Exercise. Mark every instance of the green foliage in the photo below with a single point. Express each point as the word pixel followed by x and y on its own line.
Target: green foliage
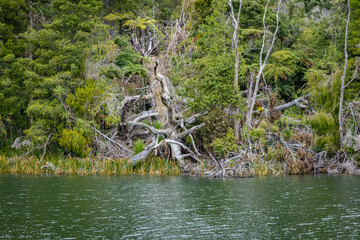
pixel 48 49
pixel 138 146
pixel 325 127
pixel 257 133
pixel 157 125
pixel 217 125
pixel 75 141
pixel 324 89
pixel 203 9
pixel 209 81
pixel 280 71
pixel 13 18
pixel 212 85
pixel 287 134
pixel 252 13
pixel 322 123
pixel 354 38
pixel 118 16
pixel 283 65
pixel 224 145
pixel 136 69
pixel 141 23
pixel 129 60
pixel 86 101
pixel 46 64
pixel 73 18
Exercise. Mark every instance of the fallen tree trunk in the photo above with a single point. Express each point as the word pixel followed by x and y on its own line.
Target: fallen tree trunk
pixel 142 155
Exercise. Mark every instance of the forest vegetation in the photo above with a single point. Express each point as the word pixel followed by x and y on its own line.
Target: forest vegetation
pixel 219 87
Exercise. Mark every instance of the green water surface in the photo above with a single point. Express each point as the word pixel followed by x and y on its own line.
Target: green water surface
pixel 157 207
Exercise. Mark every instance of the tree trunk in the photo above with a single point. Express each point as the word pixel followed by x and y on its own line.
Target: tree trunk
pixel 343 77
pixel 166 112
pixel 237 60
pixel 251 104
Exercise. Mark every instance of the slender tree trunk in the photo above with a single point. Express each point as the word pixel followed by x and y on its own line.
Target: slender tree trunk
pixel 252 101
pixel 343 77
pixel 237 60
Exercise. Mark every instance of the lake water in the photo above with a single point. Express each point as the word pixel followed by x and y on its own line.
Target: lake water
pixel 154 207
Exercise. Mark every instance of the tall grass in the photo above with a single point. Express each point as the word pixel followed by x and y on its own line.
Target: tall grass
pixel 86 166
pixel 266 168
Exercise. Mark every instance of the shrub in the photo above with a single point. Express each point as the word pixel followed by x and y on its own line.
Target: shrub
pixel 326 131
pixel 223 145
pixel 75 141
pixel 217 124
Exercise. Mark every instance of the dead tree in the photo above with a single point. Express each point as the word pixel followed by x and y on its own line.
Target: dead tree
pixel 166 111
pixel 343 77
pixel 178 31
pixel 235 23
pixel 143 36
pixel 253 93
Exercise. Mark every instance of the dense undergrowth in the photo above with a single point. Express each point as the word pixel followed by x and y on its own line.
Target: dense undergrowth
pixel 74 74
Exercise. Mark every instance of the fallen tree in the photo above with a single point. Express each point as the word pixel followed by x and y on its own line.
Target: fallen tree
pixel 169 115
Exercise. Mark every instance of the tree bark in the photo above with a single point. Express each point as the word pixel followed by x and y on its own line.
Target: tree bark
pixel 237 60
pixel 160 92
pixel 343 77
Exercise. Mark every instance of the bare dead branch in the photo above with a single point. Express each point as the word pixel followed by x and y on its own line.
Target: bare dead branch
pixel 295 102
pixel 45 145
pixel 111 140
pixel 192 119
pixel 142 155
pixel 152 129
pixel 190 131
pixel 179 144
pixel 144 115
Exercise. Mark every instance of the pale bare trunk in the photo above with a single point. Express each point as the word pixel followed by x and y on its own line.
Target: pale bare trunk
pixel 343 77
pixel 262 64
pixel 237 60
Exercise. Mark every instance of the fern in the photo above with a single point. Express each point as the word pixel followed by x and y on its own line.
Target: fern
pixel 138 146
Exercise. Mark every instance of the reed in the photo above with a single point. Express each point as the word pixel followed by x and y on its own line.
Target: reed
pixel 261 168
pixel 86 166
pixel 266 168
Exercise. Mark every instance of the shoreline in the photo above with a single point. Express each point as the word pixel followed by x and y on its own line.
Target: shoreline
pixel 86 166
pixel 152 166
